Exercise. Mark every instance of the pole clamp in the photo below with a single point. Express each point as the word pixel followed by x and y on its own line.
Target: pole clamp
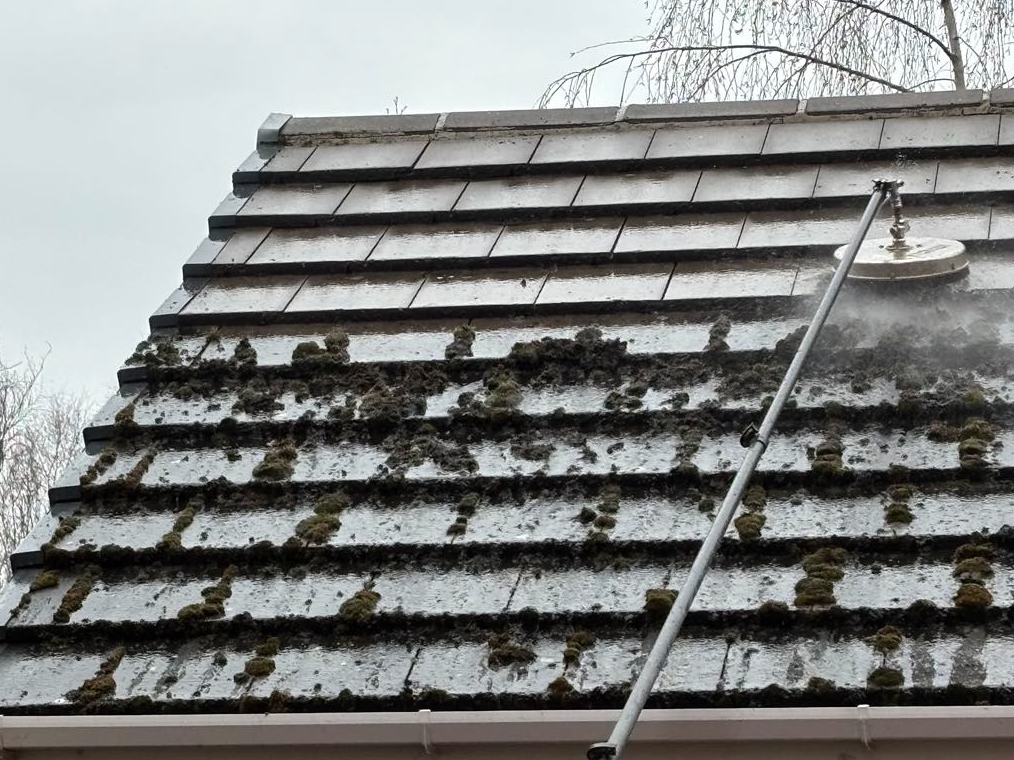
pixel 748 436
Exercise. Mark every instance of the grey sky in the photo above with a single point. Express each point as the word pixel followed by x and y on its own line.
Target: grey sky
pixel 122 122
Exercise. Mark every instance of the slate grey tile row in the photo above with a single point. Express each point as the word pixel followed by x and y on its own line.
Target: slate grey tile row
pixel 503 153
pixel 643 191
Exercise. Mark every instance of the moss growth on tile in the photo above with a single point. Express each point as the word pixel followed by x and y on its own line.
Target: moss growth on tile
pixel 173 540
pixel 45 579
pixel 102 684
pixel 504 651
pixel 560 686
pixel 214 596
pixel 749 525
pixel 410 449
pixel 887 639
pixel 604 522
pixel 576 644
pixel 755 498
pixel 103 462
pixel 609 499
pixel 885 678
pixel 718 333
pixel 75 596
pixel 900 492
pixel 977 427
pixel 503 395
pixel 278 462
pixel 259 667
pixel 384 404
pixel 244 355
pixel 658 601
pixel 977 547
pixel 819 685
pixel 133 478
pixel 461 345
pixel 458 527
pixel 973 595
pixel 268 647
pixel 360 606
pixel 827 460
pixel 467 504
pixel 823 568
pixel 67 525
pixel 528 446
pixel 587 515
pixel 973 569
pixel 812 592
pixel 324 521
pixel 335 350
pixel 155 352
pixel 898 513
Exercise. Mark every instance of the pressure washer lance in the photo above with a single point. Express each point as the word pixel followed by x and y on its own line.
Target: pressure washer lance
pixel 756 440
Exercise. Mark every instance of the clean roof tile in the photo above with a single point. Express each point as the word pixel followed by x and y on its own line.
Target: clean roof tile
pixel 975 175
pixel 969 222
pixel 288 159
pixel 571 236
pixel 364 156
pixel 675 186
pixel 842 180
pixel 693 142
pixel 776 229
pixel 681 232
pixel 537 117
pixel 731 279
pixel 1006 130
pixel 518 193
pixel 241 245
pixel 491 287
pixel 238 295
pixel 317 244
pixel 430 241
pixel 402 196
pixel 824 136
pixel 592 146
pixel 284 200
pixel 1002 222
pixel 166 313
pixel 756 183
pixel 940 132
pixel 467 152
pixel 602 284
pixel 378 290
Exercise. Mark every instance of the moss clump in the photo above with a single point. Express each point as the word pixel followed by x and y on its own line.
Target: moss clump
pixel 898 513
pixel 277 463
pixel 308 349
pixel 887 639
pixel 819 685
pixel 609 499
pixel 973 595
pixel 214 598
pixel 900 492
pixel 972 447
pixel 576 644
pixel 102 684
pixel 155 352
pixel 123 422
pixel 259 667
pixel 360 606
pixel 427 444
pixel 756 498
pixel 45 579
pixel 258 397
pixel 658 601
pixel 973 569
pixel 458 527
pixel 977 547
pixel 335 350
pixel 772 611
pixel 504 651
pixel 461 345
pixel 973 399
pixel 174 538
pixel 977 427
pixel 718 333
pixel 826 562
pixel 503 395
pixel 886 678
pixel 133 478
pixel 812 592
pixel 382 403
pixel 587 515
pixel 468 503
pixel 827 460
pixel 604 522
pixel 560 686
pixel 749 525
pixel 75 596
pixel 324 521
pixel 268 647
pixel 244 355
pixel 66 526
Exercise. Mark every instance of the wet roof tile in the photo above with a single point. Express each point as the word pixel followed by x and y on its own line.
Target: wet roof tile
pixel 975 175
pixel 675 186
pixel 731 279
pixel 824 136
pixel 945 131
pixel 857 178
pixel 364 156
pixel 323 293
pixel 232 295
pixel 603 284
pixel 241 245
pixel 492 287
pixel 283 200
pixel 470 152
pixel 317 244
pixel 756 182
pixel 519 193
pixel 288 159
pixel 592 146
pixel 1006 130
pixel 403 196
pixel 565 237
pixel 426 241
pixel 689 141
pixel 681 232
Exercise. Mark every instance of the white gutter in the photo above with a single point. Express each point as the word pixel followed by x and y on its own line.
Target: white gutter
pixel 430 731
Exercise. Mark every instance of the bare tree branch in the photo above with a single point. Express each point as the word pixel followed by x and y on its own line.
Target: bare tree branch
pixel 899 19
pixel 952 34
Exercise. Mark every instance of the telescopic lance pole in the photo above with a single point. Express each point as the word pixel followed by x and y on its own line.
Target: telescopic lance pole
pixel 757 443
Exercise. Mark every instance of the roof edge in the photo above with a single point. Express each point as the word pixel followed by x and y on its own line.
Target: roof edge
pixel 430 730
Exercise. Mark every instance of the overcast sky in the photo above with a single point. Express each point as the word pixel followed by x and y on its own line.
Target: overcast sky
pixel 122 121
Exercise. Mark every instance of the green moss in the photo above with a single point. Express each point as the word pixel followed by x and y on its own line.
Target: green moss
pixel 973 595
pixel 974 548
pixel 75 596
pixel 887 639
pixel 718 333
pixel 974 399
pixel 360 606
pixel 503 394
pixel 886 678
pixel 587 515
pixel 214 598
pixel 900 492
pixel 604 522
pixel 317 529
pixel 244 354
pixel 461 345
pixel 468 503
pixel 972 447
pixel 658 601
pixel 258 397
pixel 826 555
pixel 812 591
pixel 609 498
pixel 559 686
pixel 504 651
pixel 458 527
pixel 308 349
pixel 45 579
pixel 899 513
pixel 756 497
pixel 772 610
pixel 133 478
pixel 332 504
pixel 819 685
pixel 577 643
pixel 268 647
pixel 173 540
pixel 259 667
pixel 973 569
pixel 977 427
pixel 102 684
pixel 277 463
pixel 749 525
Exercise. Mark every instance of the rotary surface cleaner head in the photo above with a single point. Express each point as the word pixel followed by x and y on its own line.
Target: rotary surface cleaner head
pixel 906 259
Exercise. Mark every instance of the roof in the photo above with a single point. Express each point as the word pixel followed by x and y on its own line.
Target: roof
pixel 445 402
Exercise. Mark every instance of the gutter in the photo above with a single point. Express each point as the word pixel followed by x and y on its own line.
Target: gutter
pixel 431 731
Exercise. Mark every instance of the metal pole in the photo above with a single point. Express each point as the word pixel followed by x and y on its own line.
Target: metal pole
pixel 613 747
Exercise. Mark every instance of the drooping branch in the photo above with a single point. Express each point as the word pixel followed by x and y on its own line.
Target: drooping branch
pixel 957 58
pixel 901 20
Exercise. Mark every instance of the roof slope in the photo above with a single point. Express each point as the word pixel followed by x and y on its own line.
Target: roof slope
pixel 445 402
